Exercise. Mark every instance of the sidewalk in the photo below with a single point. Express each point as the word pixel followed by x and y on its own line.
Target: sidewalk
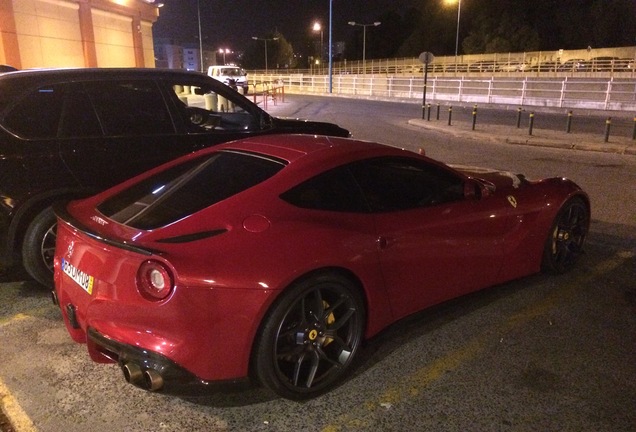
pixel 540 137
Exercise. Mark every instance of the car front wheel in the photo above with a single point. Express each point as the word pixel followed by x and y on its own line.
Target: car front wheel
pixel 565 241
pixel 310 337
pixel 38 247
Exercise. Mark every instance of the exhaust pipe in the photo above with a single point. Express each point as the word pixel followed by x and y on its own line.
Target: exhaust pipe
pixel 132 373
pixel 148 379
pixel 153 381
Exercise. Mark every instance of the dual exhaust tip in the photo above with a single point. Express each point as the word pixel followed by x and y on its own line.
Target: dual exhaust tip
pixel 147 379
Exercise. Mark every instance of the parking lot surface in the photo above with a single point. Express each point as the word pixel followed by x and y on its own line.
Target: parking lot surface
pixel 541 353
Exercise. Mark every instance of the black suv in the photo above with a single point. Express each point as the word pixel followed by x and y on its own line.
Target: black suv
pixel 69 133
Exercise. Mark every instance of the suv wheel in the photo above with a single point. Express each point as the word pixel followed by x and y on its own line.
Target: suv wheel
pixel 38 247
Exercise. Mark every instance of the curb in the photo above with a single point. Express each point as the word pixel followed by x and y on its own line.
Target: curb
pixel 573 142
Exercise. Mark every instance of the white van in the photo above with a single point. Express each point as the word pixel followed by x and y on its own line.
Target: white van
pixel 233 76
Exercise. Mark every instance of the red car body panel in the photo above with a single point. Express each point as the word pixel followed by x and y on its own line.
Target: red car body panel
pixel 224 285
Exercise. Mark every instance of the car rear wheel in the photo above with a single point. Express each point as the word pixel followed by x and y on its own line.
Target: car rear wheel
pixel 310 337
pixel 564 245
pixel 38 247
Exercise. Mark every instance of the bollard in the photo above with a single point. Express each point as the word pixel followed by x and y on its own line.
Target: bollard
pixel 568 126
pixel 634 132
pixel 211 101
pixel 608 124
pixel 518 117
pixel 531 123
pixel 474 116
pixel 437 118
pixel 450 114
pixel 429 113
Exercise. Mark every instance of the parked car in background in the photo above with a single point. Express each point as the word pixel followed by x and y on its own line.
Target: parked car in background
pixel 70 133
pixel 274 257
pixel 232 76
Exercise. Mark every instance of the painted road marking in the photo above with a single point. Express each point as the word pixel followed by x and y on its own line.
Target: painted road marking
pixel 20 421
pixel 416 382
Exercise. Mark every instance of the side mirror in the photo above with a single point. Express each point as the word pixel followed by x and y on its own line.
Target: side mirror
pixel 474 189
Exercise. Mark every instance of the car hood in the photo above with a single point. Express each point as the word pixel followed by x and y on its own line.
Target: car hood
pixel 287 125
pixel 498 178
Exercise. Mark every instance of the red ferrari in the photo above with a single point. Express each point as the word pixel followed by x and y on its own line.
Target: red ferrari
pixel 274 257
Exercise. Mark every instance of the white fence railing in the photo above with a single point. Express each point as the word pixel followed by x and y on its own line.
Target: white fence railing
pixel 616 94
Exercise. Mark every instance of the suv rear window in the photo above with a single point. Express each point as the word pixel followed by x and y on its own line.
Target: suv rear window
pixel 187 188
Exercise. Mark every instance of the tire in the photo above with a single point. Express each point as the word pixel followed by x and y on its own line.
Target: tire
pixel 38 247
pixel 564 245
pixel 310 337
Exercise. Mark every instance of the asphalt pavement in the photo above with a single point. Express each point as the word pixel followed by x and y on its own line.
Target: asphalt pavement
pixel 548 375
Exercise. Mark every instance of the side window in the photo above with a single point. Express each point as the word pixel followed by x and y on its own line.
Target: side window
pixel 134 107
pixel 37 114
pixel 392 184
pixel 334 190
pixel 78 116
pixel 207 108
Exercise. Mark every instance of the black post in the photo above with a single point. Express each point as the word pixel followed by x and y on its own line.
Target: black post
pixel 450 114
pixel 474 116
pixel 518 117
pixel 531 123
pixel 424 96
pixel 428 117
pixel 437 118
pixel 634 132
pixel 568 126
pixel 608 124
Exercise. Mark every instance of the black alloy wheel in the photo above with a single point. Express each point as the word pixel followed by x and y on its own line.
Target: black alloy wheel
pixel 310 337
pixel 38 247
pixel 564 245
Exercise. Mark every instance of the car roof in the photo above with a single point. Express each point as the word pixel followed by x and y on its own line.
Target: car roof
pixel 294 147
pixel 51 75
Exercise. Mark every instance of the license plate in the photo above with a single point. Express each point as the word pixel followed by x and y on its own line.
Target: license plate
pixel 83 279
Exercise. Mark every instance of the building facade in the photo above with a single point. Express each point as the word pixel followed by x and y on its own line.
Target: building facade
pixel 77 33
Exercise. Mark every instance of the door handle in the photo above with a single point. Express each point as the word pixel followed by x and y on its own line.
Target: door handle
pixel 382 242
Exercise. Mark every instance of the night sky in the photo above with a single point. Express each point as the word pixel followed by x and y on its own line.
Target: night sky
pixel 231 24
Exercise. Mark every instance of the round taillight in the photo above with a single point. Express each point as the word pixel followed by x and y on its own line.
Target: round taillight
pixel 154 280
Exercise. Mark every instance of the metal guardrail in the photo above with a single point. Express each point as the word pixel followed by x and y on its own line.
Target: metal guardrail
pixel 266 91
pixel 614 94
pixel 591 63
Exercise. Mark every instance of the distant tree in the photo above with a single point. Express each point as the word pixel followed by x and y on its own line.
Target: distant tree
pixel 614 23
pixel 280 53
pixel 432 28
pixel 503 33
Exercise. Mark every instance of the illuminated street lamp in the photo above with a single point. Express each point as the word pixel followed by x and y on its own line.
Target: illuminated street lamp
pixel 265 40
pixel 364 40
pixel 318 28
pixel 225 51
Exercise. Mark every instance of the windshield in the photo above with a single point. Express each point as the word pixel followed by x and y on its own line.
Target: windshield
pixel 233 72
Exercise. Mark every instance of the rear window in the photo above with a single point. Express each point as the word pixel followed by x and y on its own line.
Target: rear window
pixel 187 188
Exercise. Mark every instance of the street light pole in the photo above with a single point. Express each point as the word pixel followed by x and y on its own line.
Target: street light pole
pixel 364 41
pixel 459 11
pixel 200 36
pixel 330 46
pixel 318 28
pixel 265 40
